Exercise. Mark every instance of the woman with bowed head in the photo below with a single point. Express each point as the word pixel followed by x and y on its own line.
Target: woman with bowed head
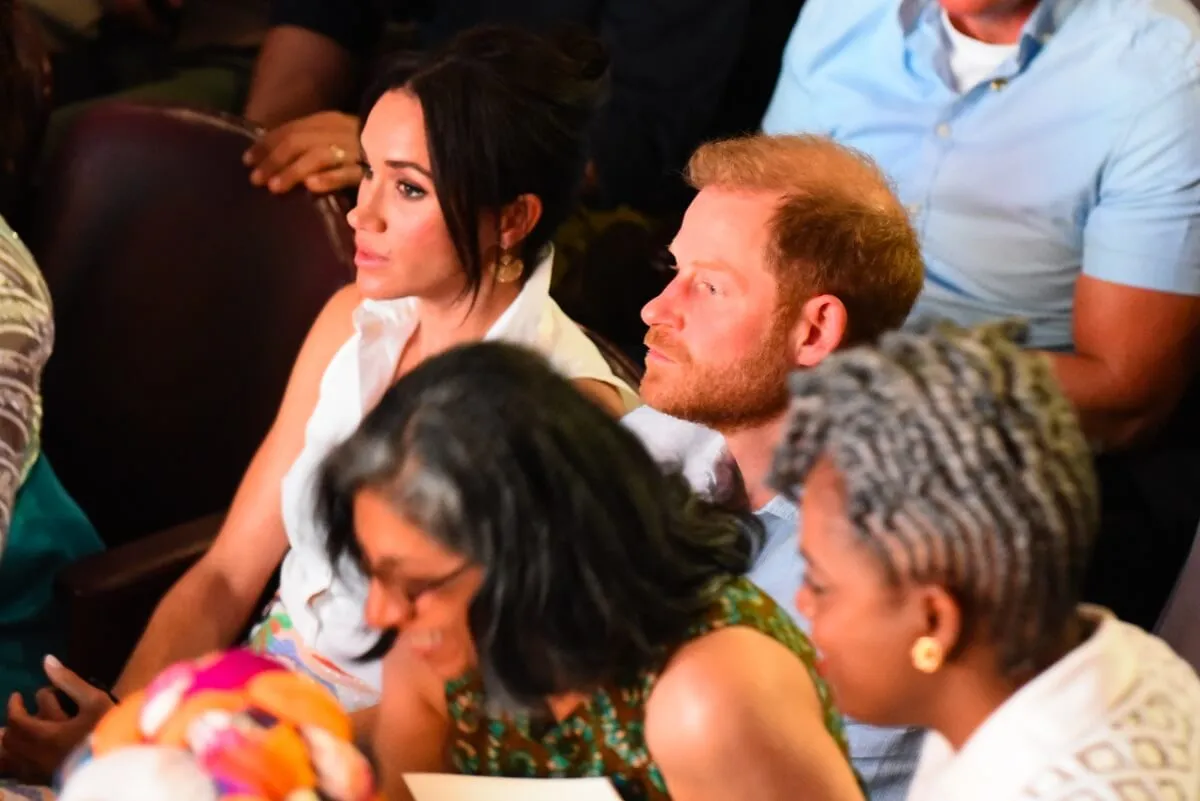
pixel 554 605
pixel 949 509
pixel 473 155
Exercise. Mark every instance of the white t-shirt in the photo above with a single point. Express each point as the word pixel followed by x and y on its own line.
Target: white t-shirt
pixel 971 61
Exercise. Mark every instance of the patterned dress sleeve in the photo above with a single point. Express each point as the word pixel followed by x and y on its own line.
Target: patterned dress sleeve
pixel 26 340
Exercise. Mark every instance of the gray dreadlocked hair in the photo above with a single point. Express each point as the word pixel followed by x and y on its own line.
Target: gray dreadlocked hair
pixel 964 465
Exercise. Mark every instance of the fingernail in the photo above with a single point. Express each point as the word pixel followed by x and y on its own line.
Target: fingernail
pixel 274 184
pixel 247 157
pixel 52 662
pixel 256 177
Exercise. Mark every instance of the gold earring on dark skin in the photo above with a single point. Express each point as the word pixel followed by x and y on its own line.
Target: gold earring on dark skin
pixel 509 268
pixel 927 655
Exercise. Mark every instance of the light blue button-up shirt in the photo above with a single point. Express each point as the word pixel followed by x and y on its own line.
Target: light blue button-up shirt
pixel 1080 155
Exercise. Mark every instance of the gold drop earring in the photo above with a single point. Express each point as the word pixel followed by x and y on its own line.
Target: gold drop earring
pixel 509 268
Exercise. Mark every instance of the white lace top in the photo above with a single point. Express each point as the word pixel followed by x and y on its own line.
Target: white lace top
pixel 326 609
pixel 1114 720
pixel 26 339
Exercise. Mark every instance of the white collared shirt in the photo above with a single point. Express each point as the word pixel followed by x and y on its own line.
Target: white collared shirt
pixel 1117 718
pixel 326 606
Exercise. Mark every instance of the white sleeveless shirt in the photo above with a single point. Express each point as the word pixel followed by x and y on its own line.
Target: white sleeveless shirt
pixel 326 607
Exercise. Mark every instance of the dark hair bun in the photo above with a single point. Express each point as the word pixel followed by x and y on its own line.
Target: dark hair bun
pixel 508 112
pixel 586 64
pixel 565 68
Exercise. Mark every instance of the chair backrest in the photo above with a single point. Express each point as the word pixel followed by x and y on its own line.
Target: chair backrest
pixel 182 295
pixel 1180 622
pixel 622 366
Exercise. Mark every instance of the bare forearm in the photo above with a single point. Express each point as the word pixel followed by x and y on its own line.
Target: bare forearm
pixel 1112 416
pixel 197 616
pixel 364 727
pixel 298 73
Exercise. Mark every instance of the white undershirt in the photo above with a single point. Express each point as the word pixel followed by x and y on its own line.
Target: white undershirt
pixel 973 61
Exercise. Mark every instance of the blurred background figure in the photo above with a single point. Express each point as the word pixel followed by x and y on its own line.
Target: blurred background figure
pixel 194 53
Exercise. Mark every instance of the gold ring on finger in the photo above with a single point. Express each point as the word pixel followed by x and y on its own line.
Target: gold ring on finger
pixel 339 155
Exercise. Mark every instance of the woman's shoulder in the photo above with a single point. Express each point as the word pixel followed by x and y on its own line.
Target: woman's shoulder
pixel 335 323
pixel 746 650
pixel 339 311
pixel 729 681
pixel 20 277
pixel 572 352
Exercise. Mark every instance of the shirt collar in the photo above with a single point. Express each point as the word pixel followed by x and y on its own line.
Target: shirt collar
pixel 781 508
pixel 520 322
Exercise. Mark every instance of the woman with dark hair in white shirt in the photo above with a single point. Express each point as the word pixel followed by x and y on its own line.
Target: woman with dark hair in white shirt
pixel 473 155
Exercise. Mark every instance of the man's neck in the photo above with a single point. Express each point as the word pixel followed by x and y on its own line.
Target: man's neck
pixel 996 27
pixel 753 449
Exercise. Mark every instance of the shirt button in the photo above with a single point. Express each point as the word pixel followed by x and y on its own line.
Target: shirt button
pixel 999 83
pixel 942 130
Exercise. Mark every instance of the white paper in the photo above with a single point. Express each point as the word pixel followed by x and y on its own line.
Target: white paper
pixel 453 787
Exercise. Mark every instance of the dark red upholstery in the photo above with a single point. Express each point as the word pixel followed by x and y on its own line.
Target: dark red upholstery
pixel 182 295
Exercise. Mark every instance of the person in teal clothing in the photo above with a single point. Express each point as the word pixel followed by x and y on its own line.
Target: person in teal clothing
pixel 554 605
pixel 41 527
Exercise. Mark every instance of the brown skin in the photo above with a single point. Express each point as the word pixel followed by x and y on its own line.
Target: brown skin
pixel 399 220
pixel 298 73
pixel 1127 374
pixel 714 723
pixel 722 338
pixel 298 77
pixel 319 151
pixel 992 21
pixel 865 628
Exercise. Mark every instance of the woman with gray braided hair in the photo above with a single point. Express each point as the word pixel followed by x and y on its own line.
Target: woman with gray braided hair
pixel 949 508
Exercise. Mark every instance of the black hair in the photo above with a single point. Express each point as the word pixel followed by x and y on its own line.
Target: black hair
pixel 596 561
pixel 17 86
pixel 507 113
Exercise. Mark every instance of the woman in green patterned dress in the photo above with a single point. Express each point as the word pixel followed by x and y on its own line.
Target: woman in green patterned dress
pixel 553 605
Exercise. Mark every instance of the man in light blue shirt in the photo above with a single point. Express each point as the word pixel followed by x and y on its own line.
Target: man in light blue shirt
pixel 793 248
pixel 1047 153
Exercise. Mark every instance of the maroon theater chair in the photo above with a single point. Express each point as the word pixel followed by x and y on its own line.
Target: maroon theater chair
pixel 182 295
